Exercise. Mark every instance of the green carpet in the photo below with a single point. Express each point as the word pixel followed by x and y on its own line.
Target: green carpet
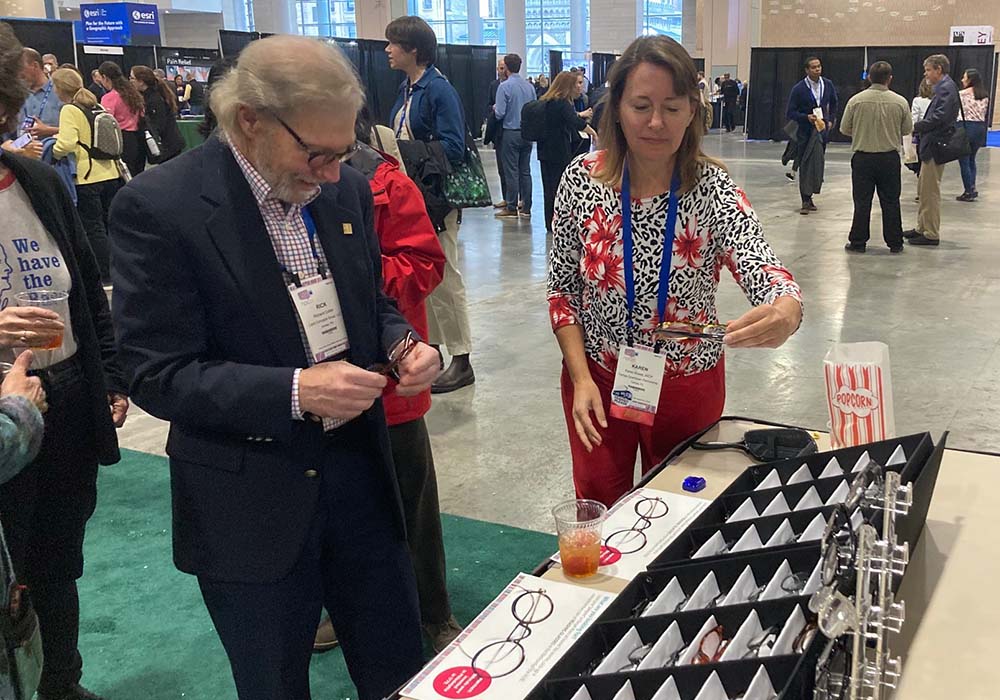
pixel 145 634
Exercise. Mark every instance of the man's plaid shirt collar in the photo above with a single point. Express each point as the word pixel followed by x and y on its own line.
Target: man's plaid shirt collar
pixel 258 185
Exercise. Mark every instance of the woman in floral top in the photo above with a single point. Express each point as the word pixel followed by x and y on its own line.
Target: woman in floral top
pixel 652 125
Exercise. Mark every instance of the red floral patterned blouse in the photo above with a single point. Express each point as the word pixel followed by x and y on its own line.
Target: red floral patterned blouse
pixel 716 227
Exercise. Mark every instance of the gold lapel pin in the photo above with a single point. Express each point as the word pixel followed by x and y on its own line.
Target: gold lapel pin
pixel 348 230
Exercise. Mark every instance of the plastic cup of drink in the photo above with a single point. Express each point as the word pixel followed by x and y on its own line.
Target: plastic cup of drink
pixel 51 299
pixel 579 523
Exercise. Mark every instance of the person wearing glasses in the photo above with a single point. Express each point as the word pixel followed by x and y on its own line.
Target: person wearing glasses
pixel 616 272
pixel 254 320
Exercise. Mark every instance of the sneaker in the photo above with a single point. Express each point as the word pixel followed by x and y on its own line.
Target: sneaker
pixel 804 210
pixel 812 207
pixel 506 214
pixel 965 197
pixel 75 692
pixel 923 240
pixel 500 205
pixel 442 634
pixel 855 247
pixel 912 233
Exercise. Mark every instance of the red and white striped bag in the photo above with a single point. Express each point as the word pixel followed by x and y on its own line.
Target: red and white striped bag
pixel 859 393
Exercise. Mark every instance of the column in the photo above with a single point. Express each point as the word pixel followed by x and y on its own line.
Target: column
pixel 618 23
pixel 475 22
pixel 274 16
pixel 372 16
pixel 517 41
pixel 578 44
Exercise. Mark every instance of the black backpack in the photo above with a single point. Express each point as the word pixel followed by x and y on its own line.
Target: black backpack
pixel 533 121
pixel 105 136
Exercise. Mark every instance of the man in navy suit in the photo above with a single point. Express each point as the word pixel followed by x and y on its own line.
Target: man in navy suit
pixel 812 93
pixel 249 317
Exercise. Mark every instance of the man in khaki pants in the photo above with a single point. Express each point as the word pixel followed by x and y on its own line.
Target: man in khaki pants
pixel 936 125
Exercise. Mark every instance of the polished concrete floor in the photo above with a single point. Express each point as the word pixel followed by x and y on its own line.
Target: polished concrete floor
pixel 500 446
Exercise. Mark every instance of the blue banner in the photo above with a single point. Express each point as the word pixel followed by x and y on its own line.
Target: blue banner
pixel 120 24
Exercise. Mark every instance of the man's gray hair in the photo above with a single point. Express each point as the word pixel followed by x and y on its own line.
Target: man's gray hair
pixel 285 74
pixel 938 60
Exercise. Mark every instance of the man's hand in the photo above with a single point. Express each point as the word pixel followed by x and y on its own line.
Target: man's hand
pixel 119 408
pixel 29 326
pixel 41 130
pixel 338 390
pixel 765 326
pixel 32 150
pixel 18 383
pixel 587 113
pixel 811 118
pixel 418 370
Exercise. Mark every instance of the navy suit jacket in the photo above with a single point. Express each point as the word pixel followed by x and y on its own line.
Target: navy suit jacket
pixel 801 103
pixel 208 337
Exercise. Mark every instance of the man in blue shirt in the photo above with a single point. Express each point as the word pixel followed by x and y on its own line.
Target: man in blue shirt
pixel 42 104
pixel 515 152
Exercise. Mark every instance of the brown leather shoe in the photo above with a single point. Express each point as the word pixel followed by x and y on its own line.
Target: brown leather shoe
pixel 442 634
pixel 326 637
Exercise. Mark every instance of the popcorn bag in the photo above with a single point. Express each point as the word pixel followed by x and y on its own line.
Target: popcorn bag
pixel 859 393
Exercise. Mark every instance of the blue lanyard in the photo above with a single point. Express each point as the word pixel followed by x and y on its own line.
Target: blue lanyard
pixel 406 105
pixel 48 93
pixel 292 277
pixel 663 292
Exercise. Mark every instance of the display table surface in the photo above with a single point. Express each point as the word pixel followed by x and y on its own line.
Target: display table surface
pixel 952 609
pixel 189 132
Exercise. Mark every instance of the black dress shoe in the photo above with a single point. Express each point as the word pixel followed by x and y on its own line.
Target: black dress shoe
pixel 458 375
pixel 923 240
pixel 895 249
pixel 912 233
pixel 855 247
pixel 76 692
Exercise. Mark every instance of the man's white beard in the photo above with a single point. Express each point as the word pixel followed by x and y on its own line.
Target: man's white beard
pixel 283 185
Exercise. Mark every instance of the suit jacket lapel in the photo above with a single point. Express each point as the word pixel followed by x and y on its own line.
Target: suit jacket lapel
pixel 237 229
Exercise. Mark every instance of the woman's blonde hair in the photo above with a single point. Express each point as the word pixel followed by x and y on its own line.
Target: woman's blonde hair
pixel 562 87
pixel 666 53
pixel 69 83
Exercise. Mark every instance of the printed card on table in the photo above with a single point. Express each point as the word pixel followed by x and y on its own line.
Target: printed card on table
pixel 640 526
pixel 507 650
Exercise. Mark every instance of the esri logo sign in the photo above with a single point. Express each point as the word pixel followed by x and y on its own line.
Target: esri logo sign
pixel 139 16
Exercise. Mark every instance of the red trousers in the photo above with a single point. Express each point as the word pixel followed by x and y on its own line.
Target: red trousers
pixel 687 406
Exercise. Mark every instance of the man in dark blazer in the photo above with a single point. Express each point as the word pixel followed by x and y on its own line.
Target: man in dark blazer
pixel 494 129
pixel 936 126
pixel 284 495
pixel 809 94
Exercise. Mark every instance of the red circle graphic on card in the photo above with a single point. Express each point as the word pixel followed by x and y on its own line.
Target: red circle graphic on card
pixel 609 555
pixel 461 682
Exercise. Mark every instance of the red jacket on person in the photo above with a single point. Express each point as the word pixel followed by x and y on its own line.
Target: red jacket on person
pixel 412 263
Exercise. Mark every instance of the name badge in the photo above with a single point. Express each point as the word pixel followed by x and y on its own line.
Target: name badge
pixel 318 306
pixel 638 380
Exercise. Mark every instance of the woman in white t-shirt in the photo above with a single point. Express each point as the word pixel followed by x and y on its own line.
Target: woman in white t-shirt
pixel 917 110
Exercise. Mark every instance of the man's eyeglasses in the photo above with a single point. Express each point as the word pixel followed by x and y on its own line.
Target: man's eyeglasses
pixel 318 158
pixel 399 353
